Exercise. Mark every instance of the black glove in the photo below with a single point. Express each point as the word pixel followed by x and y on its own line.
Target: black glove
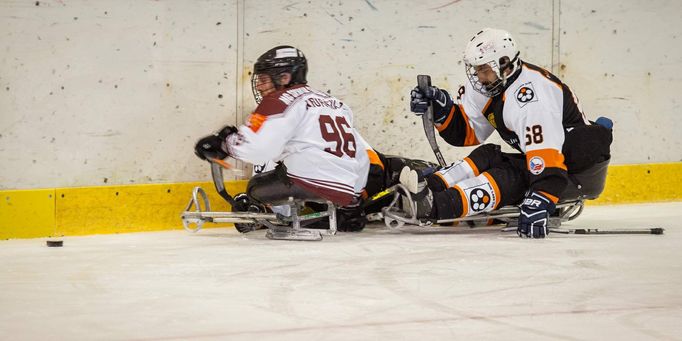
pixel 419 102
pixel 227 131
pixel 242 203
pixel 534 217
pixel 211 145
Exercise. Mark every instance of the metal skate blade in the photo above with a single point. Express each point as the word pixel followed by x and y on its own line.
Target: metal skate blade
pixel 291 234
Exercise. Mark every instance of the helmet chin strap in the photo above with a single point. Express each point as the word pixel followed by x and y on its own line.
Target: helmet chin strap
pixel 512 66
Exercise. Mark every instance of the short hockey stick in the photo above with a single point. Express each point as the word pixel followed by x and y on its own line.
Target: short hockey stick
pixel 423 82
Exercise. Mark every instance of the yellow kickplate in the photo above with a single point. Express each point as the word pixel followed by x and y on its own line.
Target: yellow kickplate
pixel 120 209
pixel 27 213
pixel 642 183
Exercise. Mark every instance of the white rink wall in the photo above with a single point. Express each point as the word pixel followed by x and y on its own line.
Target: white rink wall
pixel 117 92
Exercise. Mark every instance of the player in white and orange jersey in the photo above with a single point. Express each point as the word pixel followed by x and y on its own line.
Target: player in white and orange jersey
pixel 562 154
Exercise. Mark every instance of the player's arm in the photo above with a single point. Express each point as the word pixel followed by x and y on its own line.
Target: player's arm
pixel 465 124
pixel 265 134
pixel 459 123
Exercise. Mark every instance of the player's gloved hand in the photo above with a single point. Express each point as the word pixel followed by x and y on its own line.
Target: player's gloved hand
pixel 211 146
pixel 226 131
pixel 419 102
pixel 244 204
pixel 534 217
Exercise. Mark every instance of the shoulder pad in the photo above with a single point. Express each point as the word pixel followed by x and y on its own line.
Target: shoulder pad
pixel 278 101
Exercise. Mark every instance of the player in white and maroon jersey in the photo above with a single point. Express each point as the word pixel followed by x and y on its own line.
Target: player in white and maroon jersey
pixel 308 133
pixel 563 156
pixel 383 172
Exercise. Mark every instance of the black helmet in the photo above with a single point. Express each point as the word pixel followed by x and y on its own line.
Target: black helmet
pixel 276 61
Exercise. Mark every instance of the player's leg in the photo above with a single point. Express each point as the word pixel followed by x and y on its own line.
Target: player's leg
pixel 494 188
pixel 274 188
pixel 481 159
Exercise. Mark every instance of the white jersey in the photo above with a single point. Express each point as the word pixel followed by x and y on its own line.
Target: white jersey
pixel 310 132
pixel 532 116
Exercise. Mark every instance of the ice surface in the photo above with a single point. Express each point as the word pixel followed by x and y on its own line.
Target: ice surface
pixel 471 284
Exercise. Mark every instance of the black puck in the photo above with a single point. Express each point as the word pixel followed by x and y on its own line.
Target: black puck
pixel 55 243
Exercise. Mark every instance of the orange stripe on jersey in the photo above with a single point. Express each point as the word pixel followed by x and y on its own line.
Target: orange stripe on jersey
pixel 442 178
pixel 537 160
pixel 472 165
pixel 550 197
pixel 374 158
pixel 496 188
pixel 465 202
pixel 256 121
pixel 447 120
pixel 470 137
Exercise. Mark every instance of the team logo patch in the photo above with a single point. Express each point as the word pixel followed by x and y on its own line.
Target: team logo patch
pixel 526 94
pixel 479 199
pixel 491 119
pixel 536 165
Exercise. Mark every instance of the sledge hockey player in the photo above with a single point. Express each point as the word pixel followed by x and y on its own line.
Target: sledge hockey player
pixel 384 172
pixel 563 156
pixel 307 133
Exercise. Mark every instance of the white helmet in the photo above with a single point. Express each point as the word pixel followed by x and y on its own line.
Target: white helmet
pixel 491 46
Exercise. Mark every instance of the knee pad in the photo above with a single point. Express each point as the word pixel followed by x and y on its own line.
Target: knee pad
pixel 454 173
pixel 478 195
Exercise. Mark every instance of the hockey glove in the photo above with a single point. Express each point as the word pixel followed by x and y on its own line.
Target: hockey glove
pixel 227 131
pixel 534 217
pixel 244 204
pixel 211 146
pixel 419 102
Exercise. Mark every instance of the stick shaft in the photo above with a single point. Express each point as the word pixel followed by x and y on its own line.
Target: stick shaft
pixel 424 81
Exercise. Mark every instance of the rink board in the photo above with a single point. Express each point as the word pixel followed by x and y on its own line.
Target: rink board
pixel 101 209
pixel 133 208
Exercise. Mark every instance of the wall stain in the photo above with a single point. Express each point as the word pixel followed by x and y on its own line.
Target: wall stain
pixel 371 5
pixel 536 25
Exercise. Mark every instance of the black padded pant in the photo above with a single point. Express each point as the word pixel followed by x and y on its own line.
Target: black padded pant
pixel 275 188
pixel 587 153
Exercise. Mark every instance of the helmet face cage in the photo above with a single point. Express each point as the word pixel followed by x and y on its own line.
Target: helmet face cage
pixel 496 48
pixel 256 94
pixel 490 90
pixel 271 65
